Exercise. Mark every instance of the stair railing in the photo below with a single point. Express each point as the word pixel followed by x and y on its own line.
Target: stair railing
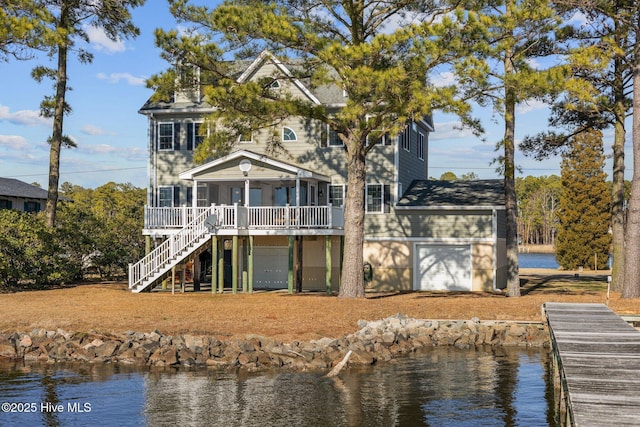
pixel 158 258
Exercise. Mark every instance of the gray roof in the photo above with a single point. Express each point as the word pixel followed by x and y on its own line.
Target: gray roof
pixel 434 194
pixel 10 187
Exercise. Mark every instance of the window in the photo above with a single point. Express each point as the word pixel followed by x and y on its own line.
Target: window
pixel 168 197
pixel 329 137
pixel 378 198
pixel 245 137
pixel 334 139
pixel 374 197
pixel 194 138
pixel 32 206
pixel 5 204
pixel 406 138
pixel 384 140
pixel 336 195
pixel 288 134
pixel 275 84
pixel 168 136
pixel 203 195
pixel 420 145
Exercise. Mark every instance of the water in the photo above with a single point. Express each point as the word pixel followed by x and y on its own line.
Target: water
pixel 535 260
pixel 443 386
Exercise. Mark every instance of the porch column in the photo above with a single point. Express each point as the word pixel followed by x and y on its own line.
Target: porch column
pixel 327 257
pixel 234 265
pixel 299 240
pixel 298 191
pixel 194 196
pixel 220 256
pixel 250 266
pixel 247 192
pixel 147 245
pixel 214 262
pixel 290 275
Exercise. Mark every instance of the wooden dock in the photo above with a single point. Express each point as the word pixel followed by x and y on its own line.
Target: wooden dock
pixel 597 365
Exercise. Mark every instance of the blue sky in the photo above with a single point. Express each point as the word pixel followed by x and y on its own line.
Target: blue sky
pixel 111 136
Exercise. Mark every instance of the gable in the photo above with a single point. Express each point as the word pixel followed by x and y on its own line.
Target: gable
pixel 267 65
pixel 261 167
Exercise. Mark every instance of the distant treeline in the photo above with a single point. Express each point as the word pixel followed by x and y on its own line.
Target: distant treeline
pixel 538 206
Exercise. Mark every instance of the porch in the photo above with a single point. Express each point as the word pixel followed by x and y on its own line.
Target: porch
pixel 244 220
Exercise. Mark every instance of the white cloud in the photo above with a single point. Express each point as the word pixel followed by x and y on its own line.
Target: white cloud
pixel 101 42
pixel 117 77
pixel 578 19
pixel 531 105
pixel 23 117
pixel 449 130
pixel 446 78
pixel 533 63
pixel 98 149
pixel 13 142
pixel 93 130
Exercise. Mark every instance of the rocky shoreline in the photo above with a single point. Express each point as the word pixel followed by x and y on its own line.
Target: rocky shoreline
pixel 375 342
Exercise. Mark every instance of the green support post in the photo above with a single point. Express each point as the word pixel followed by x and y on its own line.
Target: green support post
pixel 214 263
pixel 147 245
pixel 290 276
pixel 234 265
pixel 250 266
pixel 327 255
pixel 221 267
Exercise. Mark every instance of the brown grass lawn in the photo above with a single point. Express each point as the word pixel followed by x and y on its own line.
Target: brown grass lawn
pixel 112 308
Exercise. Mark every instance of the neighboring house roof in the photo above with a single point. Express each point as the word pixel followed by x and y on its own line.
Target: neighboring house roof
pixel 10 187
pixel 431 194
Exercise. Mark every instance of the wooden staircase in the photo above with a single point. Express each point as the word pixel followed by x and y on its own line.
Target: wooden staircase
pixel 172 251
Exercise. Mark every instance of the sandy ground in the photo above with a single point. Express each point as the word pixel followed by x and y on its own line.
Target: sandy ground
pixel 111 307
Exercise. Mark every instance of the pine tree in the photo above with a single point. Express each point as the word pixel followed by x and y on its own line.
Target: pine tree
pixel 583 233
pixel 69 20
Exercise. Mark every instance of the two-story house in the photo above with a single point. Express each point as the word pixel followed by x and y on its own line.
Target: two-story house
pixel 253 220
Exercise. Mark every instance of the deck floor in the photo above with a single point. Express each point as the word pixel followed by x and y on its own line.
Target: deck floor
pixel 600 356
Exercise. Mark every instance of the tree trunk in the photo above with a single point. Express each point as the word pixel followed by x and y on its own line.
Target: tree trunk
pixel 352 280
pixel 58 119
pixel 631 288
pixel 513 276
pixel 617 201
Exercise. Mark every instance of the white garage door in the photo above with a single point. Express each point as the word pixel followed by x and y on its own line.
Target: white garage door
pixel 270 267
pixel 443 267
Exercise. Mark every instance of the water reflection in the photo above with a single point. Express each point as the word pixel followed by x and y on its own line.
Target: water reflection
pixel 443 386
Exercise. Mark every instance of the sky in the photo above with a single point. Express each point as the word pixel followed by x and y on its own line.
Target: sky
pixel 111 136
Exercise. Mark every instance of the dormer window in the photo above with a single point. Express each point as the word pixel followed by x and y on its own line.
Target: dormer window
pixel 245 137
pixel 288 134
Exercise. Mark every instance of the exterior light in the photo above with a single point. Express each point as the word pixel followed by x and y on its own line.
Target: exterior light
pixel 245 166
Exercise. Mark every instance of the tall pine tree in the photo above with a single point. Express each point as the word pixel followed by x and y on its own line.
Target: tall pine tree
pixel 583 234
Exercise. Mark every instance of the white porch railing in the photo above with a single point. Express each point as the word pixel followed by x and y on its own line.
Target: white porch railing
pixel 170 252
pixel 251 217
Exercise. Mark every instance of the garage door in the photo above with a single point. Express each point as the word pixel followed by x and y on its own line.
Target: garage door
pixel 443 267
pixel 270 267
